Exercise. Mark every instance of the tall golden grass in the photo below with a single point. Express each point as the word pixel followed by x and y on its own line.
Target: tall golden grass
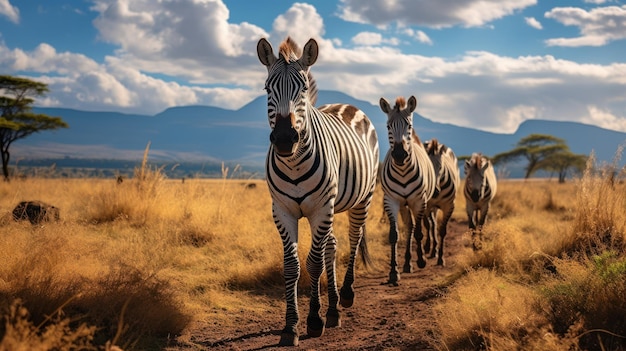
pixel 552 271
pixel 135 264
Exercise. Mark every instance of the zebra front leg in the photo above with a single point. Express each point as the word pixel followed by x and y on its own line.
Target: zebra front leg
pixel 321 231
pixel 472 219
pixel 392 212
pixel 418 212
pixel 333 318
pixel 288 229
pixel 430 224
pixel 407 214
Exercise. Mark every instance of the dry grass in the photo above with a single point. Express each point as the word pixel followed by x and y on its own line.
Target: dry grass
pixel 135 264
pixel 552 271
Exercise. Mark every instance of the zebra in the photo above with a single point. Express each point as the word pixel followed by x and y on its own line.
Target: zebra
pixel 321 161
pixel 408 181
pixel 480 188
pixel 447 183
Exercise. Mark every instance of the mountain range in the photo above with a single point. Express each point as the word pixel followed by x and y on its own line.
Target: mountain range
pixel 207 134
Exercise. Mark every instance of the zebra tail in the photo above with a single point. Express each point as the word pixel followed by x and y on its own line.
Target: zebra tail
pixel 364 252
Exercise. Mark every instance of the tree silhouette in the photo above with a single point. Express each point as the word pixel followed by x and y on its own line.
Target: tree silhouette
pixel 543 152
pixel 16 119
pixel 562 162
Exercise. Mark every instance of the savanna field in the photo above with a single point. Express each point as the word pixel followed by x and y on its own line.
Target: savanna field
pixel 137 265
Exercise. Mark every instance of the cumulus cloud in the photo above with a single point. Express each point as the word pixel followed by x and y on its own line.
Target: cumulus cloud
pixel 301 22
pixel 418 35
pixel 373 39
pixel 597 26
pixel 531 21
pixel 190 39
pixel 10 11
pixel 437 14
pixel 189 52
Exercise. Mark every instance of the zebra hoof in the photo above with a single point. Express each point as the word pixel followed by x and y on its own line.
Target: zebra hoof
pixel 333 319
pixel 288 339
pixel 314 326
pixel 440 262
pixel 421 263
pixel 407 268
pixel 346 297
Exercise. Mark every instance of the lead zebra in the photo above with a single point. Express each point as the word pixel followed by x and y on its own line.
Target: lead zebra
pixel 480 188
pixel 320 162
pixel 447 181
pixel 407 179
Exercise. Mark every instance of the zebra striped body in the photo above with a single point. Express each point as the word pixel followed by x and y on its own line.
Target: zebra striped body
pixel 408 181
pixel 480 188
pixel 320 162
pixel 447 182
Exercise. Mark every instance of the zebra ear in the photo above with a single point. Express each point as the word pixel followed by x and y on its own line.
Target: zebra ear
pixel 309 53
pixel 485 164
pixel 265 53
pixel 467 166
pixel 412 104
pixel 384 105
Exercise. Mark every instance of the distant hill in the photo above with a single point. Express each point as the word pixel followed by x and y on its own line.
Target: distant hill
pixel 211 135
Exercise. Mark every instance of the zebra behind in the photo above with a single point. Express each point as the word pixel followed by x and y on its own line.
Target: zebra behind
pixel 480 188
pixel 408 181
pixel 447 181
pixel 321 161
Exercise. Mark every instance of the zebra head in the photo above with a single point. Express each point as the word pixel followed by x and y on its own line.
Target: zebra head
pixel 475 179
pixel 400 127
pixel 288 96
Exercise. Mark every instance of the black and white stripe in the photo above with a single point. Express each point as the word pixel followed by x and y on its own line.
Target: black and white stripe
pixel 408 181
pixel 321 161
pixel 448 181
pixel 480 188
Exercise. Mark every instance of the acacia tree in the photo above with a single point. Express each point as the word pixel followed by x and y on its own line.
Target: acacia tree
pixel 562 162
pixel 538 149
pixel 17 120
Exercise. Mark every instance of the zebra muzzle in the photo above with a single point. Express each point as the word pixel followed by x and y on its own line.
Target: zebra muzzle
pixel 285 140
pixel 399 154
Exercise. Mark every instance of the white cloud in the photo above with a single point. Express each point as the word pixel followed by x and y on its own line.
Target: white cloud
pixel 437 14
pixel 531 21
pixel 10 11
pixel 190 39
pixel 598 26
pixel 419 36
pixel 301 22
pixel 188 52
pixel 373 39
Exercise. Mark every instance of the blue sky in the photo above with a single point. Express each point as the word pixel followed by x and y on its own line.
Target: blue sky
pixel 486 64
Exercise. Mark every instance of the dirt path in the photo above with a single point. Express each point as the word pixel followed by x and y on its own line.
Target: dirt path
pixel 382 318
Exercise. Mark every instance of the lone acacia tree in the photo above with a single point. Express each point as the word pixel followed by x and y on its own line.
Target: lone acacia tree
pixel 17 120
pixel 543 152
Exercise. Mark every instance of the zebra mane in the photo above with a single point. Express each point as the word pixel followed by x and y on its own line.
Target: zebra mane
pixel 433 146
pixel 290 51
pixel 400 103
pixel 477 160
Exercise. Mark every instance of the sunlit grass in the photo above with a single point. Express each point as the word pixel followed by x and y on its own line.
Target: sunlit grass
pixel 137 263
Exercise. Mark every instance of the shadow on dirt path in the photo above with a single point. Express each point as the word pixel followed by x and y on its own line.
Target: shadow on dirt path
pixel 382 318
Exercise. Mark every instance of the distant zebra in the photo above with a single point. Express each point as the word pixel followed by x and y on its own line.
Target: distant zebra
pixel 447 183
pixel 408 181
pixel 480 188
pixel 320 162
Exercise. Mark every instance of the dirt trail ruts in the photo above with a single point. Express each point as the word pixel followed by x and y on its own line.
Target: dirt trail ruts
pixel 383 317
